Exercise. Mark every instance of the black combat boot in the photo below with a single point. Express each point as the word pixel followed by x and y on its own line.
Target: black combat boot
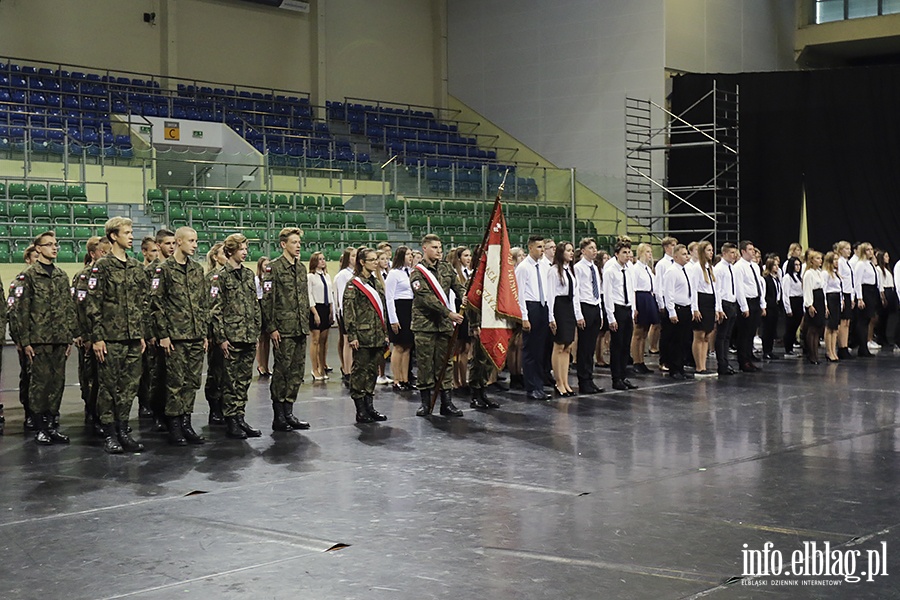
pixel 128 443
pixel 144 412
pixel 362 415
pixel 425 398
pixel 53 431
pixel 477 401
pixel 42 436
pixel 29 423
pixel 488 403
pixel 447 407
pixel 247 429
pixel 176 435
pixel 370 409
pixel 191 436
pixel 279 421
pixel 111 443
pixel 294 422
pixel 233 429
pixel 215 413
pixel 159 423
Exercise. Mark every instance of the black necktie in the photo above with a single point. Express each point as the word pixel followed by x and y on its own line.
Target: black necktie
pixel 594 286
pixel 731 274
pixel 625 287
pixel 324 285
pixel 874 270
pixel 569 277
pixel 709 272
pixel 688 279
pixel 540 283
pixel 756 280
pixel 650 276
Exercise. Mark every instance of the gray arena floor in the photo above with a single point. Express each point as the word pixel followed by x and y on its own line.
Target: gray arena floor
pixel 650 494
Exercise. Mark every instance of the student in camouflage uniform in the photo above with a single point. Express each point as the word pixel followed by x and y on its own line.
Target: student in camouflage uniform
pixel 236 323
pixel 12 305
pixel 87 363
pixel 364 322
pixel 432 324
pixel 116 315
pixel 286 311
pixel 153 369
pixel 46 316
pixel 179 301
pixel 150 252
pixel 215 370
pixel 482 367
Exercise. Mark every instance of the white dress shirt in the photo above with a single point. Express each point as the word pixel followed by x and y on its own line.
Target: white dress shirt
pixel 644 279
pixel 866 273
pixel 813 279
pixel 555 287
pixel 751 281
pixel 396 287
pixel 584 269
pixel 832 283
pixel 340 284
pixel 666 262
pixel 791 288
pixel 897 278
pixel 699 285
pixel 613 288
pixel 887 280
pixel 848 283
pixel 678 288
pixel 527 277
pixel 728 286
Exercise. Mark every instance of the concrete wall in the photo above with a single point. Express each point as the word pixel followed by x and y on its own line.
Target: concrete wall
pixel 387 50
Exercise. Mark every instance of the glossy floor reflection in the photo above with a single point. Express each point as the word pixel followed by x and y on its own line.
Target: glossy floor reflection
pixel 645 494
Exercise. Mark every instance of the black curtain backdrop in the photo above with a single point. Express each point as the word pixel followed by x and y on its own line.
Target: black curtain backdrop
pixel 834 132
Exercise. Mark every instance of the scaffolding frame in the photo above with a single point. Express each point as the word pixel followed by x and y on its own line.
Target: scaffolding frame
pixel 710 204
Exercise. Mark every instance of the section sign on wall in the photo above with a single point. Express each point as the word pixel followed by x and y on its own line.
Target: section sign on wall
pixel 172 131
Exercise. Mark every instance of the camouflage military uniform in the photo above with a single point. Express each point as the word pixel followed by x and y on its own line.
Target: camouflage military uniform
pixel 285 308
pixel 15 292
pixel 363 324
pixel 430 323
pixel 115 310
pixel 235 319
pixel 215 372
pixel 179 300
pixel 152 387
pixel 87 362
pixel 46 321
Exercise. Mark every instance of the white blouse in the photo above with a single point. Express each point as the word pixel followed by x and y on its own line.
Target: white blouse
pixel 396 287
pixel 790 288
pixel 317 289
pixel 813 279
pixel 560 287
pixel 832 283
pixel 340 284
pixel 644 279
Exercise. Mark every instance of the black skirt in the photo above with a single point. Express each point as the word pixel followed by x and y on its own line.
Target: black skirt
pixel 706 304
pixel 404 316
pixel 564 314
pixel 872 299
pixel 847 312
pixel 833 302
pixel 324 311
pixel 817 321
pixel 647 309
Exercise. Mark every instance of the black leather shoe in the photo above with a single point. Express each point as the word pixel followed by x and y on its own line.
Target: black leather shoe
pixel 176 435
pixel 728 371
pixel 813 362
pixel 233 429
pixel 159 425
pixel 55 436
pixel 619 384
pixel 190 435
pixel 641 369
pixel 279 421
pixel 128 443
pixel 537 395
pixel 749 368
pixel 425 399
pixel 476 398
pixel 369 405
pixel 362 416
pixel 28 424
pixel 111 443
pixel 557 393
pixel 291 419
pixel 215 413
pixel 144 412
pixel 448 409
pixel 629 385
pixel 247 429
pixel 770 356
pixel 677 376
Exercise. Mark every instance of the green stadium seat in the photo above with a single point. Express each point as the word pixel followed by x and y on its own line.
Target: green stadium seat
pixel 58 192
pixel 256 251
pixel 154 194
pixel 81 232
pixel 189 198
pixel 309 201
pixel 206 198
pixel 222 197
pixel 17 191
pixel 381 236
pixel 258 217
pixel 19 231
pixel 63 231
pixel 2 190
pixel 99 213
pixel 282 200
pixel 311 236
pixel 76 193
pixel 337 202
pixel 40 210
pixel 237 199
pixel 5 251
pixel 176 213
pixel 4 208
pixel 334 255
pixel 173 195
pixel 66 252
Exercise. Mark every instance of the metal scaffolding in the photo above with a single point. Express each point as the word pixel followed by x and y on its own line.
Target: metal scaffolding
pixel 704 204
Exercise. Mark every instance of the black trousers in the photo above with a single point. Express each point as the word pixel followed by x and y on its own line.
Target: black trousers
pixel 665 333
pixel 620 341
pixel 587 342
pixel 723 333
pixel 770 327
pixel 534 344
pixel 746 330
pixel 864 316
pixel 792 323
pixel 681 334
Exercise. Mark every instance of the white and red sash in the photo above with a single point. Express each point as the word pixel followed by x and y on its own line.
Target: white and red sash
pixel 373 297
pixel 434 285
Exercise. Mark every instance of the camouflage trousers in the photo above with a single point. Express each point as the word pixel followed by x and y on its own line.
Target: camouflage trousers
pixel 48 378
pixel 24 379
pixel 431 351
pixel 365 371
pixel 87 377
pixel 146 384
pixel 119 375
pixel 182 371
pixel 215 374
pixel 238 374
pixel 482 366
pixel 287 373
